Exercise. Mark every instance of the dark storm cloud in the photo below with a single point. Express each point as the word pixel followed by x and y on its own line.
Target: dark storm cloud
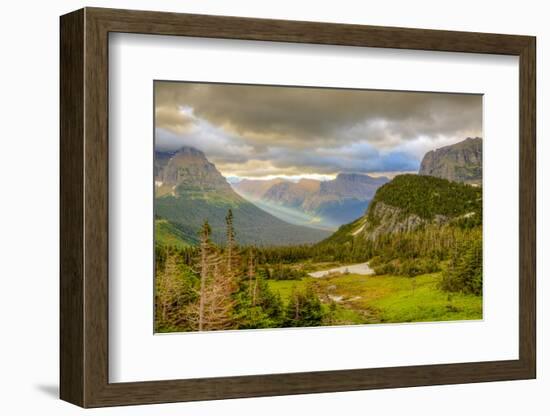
pixel 355 158
pixel 326 130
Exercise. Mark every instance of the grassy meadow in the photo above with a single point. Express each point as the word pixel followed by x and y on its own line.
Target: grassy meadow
pixel 360 299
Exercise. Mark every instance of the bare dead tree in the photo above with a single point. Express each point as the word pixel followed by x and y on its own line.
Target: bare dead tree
pixel 231 248
pixel 215 303
pixel 168 289
pixel 205 243
pixel 252 275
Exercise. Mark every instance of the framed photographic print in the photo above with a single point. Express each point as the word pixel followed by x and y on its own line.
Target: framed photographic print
pixel 257 207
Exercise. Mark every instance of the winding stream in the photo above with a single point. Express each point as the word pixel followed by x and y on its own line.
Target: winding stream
pixel 359 268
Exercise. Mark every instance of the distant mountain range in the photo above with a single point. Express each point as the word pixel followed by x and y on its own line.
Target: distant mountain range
pixel 460 162
pixel 332 203
pixel 255 189
pixel 189 190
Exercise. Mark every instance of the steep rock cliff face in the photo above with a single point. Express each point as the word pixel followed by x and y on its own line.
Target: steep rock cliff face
pixel 188 170
pixel 460 162
pixel 385 219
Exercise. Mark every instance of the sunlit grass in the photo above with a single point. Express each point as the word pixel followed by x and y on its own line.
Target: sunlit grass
pixel 387 299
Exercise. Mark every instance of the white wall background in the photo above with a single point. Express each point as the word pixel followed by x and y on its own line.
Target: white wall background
pixel 29 158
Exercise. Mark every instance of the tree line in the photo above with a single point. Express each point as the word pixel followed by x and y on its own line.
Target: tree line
pixel 214 288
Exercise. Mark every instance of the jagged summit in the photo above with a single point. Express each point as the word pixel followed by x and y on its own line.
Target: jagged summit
pixel 188 169
pixel 459 162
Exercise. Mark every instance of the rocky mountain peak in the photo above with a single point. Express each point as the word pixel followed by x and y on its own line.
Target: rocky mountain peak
pixel 187 168
pixel 459 162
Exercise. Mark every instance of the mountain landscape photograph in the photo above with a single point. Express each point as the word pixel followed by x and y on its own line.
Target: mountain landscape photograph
pixel 280 207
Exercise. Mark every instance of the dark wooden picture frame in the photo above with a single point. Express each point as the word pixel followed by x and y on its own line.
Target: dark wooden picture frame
pixel 84 207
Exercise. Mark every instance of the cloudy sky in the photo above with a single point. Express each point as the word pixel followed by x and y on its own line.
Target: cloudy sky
pixel 264 131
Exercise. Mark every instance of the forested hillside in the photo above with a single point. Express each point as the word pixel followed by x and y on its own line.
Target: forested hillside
pixel 410 202
pixel 428 196
pixel 169 234
pixel 254 225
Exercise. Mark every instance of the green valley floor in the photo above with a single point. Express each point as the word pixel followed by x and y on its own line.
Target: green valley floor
pixel 367 299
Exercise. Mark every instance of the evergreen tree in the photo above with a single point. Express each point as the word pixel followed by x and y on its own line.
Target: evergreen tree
pixel 465 269
pixel 174 289
pixel 256 305
pixel 304 309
